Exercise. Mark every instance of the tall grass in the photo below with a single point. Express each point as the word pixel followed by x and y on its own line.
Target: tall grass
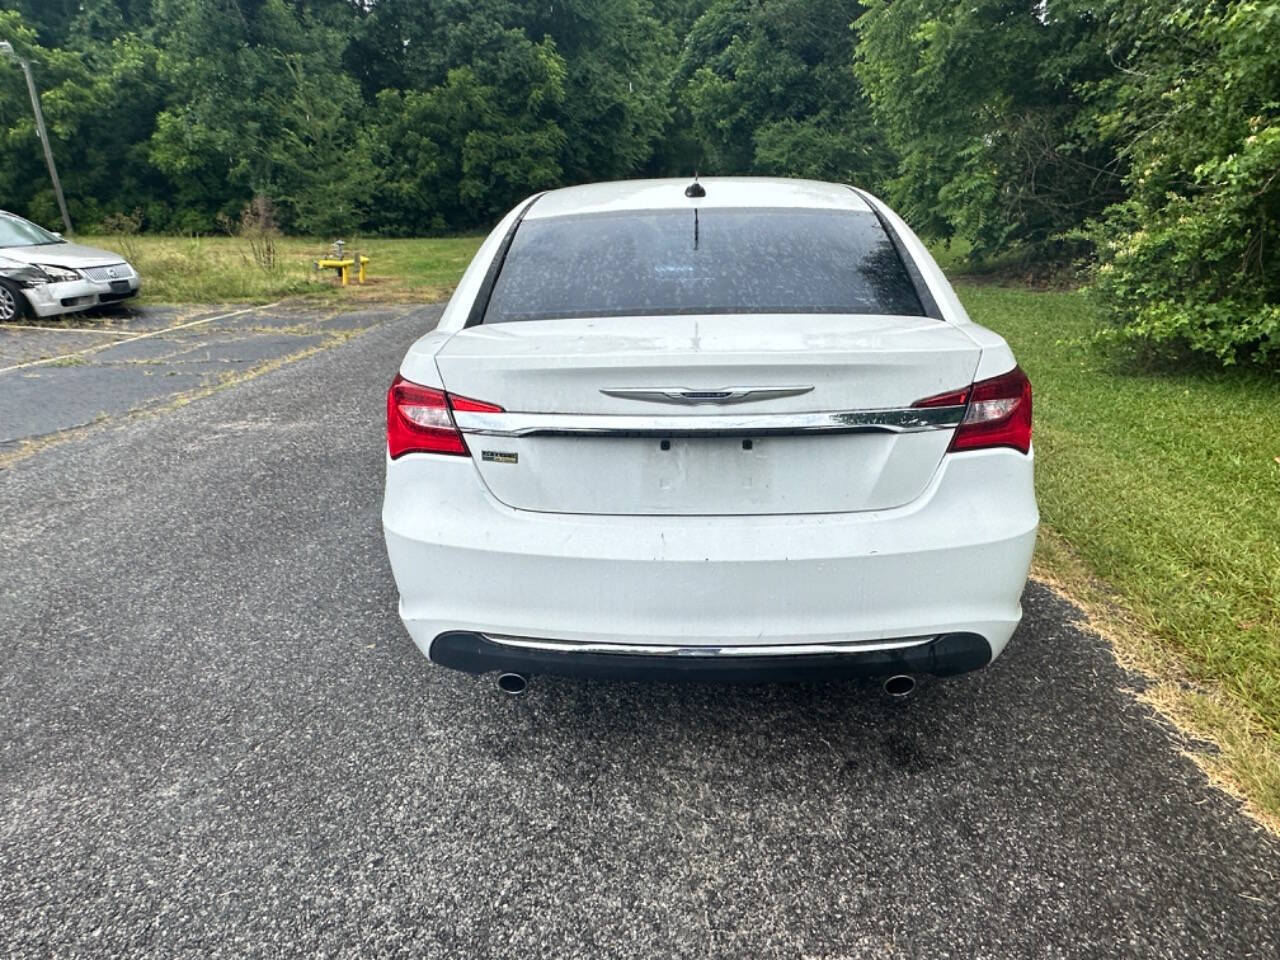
pixel 231 270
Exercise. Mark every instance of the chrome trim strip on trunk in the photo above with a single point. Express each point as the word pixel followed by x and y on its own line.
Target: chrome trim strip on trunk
pixel 895 420
pixel 734 650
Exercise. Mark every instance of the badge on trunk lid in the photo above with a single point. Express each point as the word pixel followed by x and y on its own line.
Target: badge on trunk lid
pixel 722 395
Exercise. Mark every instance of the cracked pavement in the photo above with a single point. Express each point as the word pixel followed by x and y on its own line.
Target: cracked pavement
pixel 68 372
pixel 220 742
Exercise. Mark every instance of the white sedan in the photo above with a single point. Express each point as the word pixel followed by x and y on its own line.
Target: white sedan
pixel 735 429
pixel 44 275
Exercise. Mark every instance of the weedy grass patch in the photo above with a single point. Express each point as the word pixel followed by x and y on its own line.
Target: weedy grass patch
pixel 181 270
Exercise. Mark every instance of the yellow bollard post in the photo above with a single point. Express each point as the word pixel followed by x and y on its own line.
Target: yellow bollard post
pixel 342 266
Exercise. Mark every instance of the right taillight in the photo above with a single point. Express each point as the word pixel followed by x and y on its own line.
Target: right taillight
pixel 998 414
pixel 420 419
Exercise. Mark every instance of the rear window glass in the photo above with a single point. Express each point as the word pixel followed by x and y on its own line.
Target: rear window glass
pixel 715 261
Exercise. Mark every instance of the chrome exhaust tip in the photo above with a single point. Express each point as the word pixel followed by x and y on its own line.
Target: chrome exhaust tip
pixel 512 683
pixel 900 686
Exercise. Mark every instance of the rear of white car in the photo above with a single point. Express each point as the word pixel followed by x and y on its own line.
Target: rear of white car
pixel 745 434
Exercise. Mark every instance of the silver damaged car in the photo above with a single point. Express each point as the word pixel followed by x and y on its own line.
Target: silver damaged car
pixel 42 274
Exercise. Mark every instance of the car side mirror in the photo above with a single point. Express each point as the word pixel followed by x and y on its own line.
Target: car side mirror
pixel 58 235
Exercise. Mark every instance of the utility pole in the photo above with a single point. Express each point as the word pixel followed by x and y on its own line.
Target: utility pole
pixel 6 48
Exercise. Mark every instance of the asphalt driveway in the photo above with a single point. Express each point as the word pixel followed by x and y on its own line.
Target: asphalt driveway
pixel 218 741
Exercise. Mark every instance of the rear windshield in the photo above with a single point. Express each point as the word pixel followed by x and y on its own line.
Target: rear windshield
pixel 664 262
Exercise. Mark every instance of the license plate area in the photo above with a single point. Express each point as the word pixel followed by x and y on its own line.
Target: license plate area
pixel 708 464
pixel 722 475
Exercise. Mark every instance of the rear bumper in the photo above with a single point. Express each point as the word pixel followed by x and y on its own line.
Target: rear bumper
pixel 941 656
pixel 954 561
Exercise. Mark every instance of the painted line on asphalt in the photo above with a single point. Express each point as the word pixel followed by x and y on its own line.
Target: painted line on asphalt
pixel 141 336
pixel 29 326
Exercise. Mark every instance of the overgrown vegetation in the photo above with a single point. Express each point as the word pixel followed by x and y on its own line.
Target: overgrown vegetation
pixel 222 269
pixel 1190 261
pixel 258 229
pixel 984 104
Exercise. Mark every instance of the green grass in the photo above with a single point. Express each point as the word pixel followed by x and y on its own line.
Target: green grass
pixel 1166 484
pixel 182 270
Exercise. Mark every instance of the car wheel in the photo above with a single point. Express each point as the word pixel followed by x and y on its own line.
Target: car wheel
pixel 13 305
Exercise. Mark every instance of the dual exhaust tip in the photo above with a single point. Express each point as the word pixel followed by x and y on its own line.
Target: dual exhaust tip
pixel 898 687
pixel 512 684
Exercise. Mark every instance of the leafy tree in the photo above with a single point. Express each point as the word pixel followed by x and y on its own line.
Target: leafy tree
pixel 586 79
pixel 982 101
pixel 258 104
pixel 50 20
pixel 1190 260
pixel 618 62
pixel 768 88
pixel 99 110
pixel 60 23
pixel 22 167
pixel 450 156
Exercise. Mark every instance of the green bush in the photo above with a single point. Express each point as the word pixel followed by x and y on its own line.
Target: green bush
pixel 1190 262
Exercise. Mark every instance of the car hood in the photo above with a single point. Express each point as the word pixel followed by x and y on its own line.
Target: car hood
pixel 62 255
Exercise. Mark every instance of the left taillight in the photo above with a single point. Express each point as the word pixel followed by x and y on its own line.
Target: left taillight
pixel 420 419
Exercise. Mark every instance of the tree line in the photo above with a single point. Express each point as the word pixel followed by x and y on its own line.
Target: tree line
pixel 1139 138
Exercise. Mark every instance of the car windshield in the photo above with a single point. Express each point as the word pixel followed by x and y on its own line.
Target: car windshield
pixel 16 232
pixel 713 261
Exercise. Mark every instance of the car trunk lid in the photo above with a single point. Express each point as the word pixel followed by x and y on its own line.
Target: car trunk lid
pixel 599 417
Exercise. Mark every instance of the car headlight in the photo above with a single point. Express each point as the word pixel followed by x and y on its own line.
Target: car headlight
pixel 23 274
pixel 58 274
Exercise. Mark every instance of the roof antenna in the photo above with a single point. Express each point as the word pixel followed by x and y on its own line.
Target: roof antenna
pixel 695 189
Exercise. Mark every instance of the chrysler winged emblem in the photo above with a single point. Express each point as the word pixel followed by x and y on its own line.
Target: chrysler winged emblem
pixel 689 396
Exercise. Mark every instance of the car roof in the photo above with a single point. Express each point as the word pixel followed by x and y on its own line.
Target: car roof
pixel 623 195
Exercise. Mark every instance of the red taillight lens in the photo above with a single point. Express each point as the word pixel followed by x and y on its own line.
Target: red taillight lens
pixel 419 419
pixel 999 414
pixel 953 398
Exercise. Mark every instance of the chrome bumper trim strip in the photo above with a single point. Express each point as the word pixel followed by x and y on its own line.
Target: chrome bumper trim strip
pixel 738 650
